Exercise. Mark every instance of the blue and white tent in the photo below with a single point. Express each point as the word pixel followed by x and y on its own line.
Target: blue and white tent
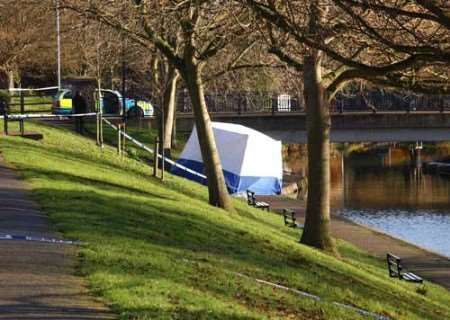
pixel 250 160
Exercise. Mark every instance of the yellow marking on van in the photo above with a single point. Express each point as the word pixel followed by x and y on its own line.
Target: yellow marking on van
pixel 65 103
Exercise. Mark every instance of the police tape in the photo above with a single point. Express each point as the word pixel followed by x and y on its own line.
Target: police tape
pixel 39 239
pixel 305 294
pixel 141 145
pixel 46 116
pixel 32 89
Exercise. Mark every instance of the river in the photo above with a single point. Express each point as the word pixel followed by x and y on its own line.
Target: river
pixel 382 190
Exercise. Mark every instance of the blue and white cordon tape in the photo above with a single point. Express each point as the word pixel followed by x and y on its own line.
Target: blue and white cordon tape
pixel 38 239
pixel 141 145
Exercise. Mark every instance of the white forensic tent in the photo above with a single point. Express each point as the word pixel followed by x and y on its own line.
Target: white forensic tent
pixel 250 160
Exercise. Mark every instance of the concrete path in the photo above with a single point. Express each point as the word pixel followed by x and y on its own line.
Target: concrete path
pixel 429 265
pixel 37 279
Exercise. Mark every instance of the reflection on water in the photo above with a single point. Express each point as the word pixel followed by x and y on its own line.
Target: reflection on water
pixel 381 189
pixel 426 228
pixel 393 187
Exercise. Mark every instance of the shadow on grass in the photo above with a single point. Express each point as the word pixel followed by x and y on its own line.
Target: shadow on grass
pixel 60 153
pixel 85 181
pixel 124 224
pixel 184 239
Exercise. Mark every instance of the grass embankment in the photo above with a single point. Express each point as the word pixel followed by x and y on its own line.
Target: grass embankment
pixel 156 250
pixel 143 133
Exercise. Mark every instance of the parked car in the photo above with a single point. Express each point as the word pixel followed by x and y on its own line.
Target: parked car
pixel 111 104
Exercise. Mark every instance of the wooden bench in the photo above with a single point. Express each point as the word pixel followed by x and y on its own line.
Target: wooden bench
pixel 289 218
pixel 251 200
pixel 395 269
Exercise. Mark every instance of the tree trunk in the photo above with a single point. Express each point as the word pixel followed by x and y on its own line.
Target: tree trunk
pixel 11 79
pixel 218 193
pixel 174 130
pixel 317 221
pixel 169 107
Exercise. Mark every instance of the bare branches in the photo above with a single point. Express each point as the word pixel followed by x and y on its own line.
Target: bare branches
pixel 377 39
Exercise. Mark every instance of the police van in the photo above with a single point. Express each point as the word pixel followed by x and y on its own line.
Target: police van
pixel 111 103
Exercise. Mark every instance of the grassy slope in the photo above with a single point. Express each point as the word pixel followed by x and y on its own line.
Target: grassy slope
pixel 145 134
pixel 158 251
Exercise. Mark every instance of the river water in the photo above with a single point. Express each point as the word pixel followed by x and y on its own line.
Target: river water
pixel 383 190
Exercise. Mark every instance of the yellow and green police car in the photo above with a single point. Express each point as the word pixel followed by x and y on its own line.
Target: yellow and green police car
pixel 111 104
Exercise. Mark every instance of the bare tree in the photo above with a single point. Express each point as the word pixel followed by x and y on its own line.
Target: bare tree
pixel 164 85
pixel 407 28
pixel 205 28
pixel 23 26
pixel 320 41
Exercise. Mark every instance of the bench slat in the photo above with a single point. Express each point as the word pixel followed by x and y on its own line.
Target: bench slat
pixel 406 276
pixel 409 276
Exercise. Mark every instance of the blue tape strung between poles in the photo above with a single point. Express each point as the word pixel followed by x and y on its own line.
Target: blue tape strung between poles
pixel 38 239
pixel 141 145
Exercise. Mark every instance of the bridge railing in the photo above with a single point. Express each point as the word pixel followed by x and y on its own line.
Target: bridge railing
pixel 390 101
pixel 241 103
pixel 269 102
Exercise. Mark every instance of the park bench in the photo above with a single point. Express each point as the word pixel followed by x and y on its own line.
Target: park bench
pixel 251 200
pixel 395 269
pixel 289 219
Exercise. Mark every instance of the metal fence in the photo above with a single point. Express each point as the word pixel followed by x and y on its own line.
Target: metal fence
pixel 389 101
pixel 374 101
pixel 32 100
pixel 239 103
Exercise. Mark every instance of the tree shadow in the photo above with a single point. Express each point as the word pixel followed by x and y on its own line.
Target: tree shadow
pixel 178 231
pixel 112 164
pixel 61 307
pixel 87 181
pixel 191 241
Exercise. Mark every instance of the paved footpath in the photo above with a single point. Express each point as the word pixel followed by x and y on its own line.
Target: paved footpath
pixel 430 266
pixel 37 279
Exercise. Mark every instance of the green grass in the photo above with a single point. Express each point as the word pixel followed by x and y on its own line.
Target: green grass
pixel 157 250
pixel 145 134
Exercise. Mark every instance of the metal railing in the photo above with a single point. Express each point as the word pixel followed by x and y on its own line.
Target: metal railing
pixel 31 100
pixel 243 103
pixel 371 101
